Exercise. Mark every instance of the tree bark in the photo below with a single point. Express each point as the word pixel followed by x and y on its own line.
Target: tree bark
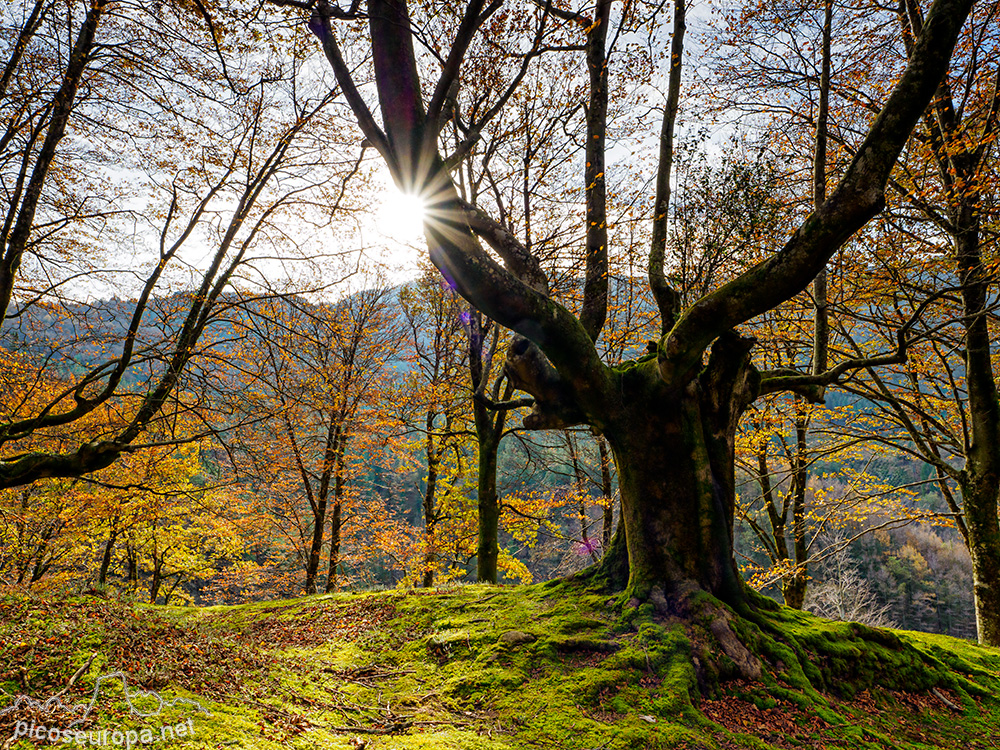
pixel 674 453
pixel 980 499
pixel 980 479
pixel 488 547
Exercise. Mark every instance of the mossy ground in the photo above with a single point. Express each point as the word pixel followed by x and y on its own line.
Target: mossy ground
pixel 477 667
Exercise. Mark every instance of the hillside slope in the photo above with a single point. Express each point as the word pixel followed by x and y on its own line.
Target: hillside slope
pixel 554 666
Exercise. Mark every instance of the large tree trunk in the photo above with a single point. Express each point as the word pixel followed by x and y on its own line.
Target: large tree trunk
pixel 674 455
pixel 984 547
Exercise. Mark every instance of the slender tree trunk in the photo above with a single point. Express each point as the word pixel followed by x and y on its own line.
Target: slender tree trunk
pixel 339 485
pixel 793 585
pixel 38 570
pixel 14 244
pixel 109 546
pixel 316 544
pixel 319 507
pixel 132 564
pixel 606 491
pixel 41 566
pixel 489 423
pixel 488 547
pixel 821 322
pixel 580 480
pixel 335 529
pixel 430 512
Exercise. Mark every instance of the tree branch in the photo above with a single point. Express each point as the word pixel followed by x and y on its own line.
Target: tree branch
pixel 858 197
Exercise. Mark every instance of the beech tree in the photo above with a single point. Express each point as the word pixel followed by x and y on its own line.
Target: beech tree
pixel 669 417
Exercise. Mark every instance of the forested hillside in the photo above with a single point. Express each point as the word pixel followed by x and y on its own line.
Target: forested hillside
pixel 907 567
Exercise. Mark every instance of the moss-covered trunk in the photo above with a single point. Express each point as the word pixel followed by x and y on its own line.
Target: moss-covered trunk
pixel 678 528
pixel 674 453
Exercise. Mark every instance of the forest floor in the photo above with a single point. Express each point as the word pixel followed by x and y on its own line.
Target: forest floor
pixel 473 667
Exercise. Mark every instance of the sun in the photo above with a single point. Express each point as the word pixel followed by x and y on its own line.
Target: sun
pixel 400 217
pixel 392 231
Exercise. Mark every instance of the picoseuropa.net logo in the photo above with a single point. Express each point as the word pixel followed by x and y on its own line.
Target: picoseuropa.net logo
pixel 65 725
pixel 127 738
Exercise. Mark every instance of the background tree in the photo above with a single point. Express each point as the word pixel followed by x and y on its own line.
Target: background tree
pixel 437 414
pixel 942 402
pixel 191 143
pixel 311 375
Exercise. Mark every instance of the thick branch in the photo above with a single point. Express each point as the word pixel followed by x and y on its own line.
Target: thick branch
pixel 517 257
pixel 555 406
pixel 466 266
pixel 667 299
pixel 595 286
pixel 319 24
pixel 858 197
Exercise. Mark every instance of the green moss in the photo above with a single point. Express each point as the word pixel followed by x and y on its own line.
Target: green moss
pixel 431 670
pixel 631 364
